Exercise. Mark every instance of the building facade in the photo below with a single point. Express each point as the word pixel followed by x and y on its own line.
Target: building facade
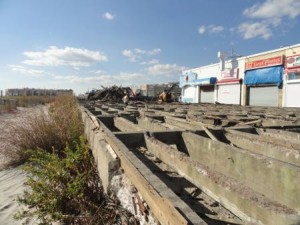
pixel 37 92
pixel 198 85
pixel 269 78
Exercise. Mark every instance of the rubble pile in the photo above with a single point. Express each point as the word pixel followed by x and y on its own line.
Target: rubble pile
pixel 111 94
pixel 115 94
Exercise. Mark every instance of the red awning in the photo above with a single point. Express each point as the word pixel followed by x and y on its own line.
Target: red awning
pixel 229 81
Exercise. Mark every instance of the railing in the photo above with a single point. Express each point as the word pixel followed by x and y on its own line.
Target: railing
pixel 7 105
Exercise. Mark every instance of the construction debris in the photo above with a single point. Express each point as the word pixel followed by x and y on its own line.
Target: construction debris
pixel 117 94
pixel 112 94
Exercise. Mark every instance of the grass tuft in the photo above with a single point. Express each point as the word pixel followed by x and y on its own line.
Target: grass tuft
pixel 63 184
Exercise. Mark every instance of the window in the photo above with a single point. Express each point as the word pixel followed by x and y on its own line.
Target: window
pixel 293 76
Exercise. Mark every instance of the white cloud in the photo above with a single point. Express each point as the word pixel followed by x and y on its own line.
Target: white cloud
pixel 132 77
pixel 155 51
pixel 253 30
pixel 68 56
pixel 268 15
pixel 151 62
pixel 129 54
pixel 215 28
pixel 27 71
pixel 78 79
pixel 165 69
pixel 136 54
pixel 201 29
pixel 97 71
pixel 105 79
pixel 271 9
pixel 210 28
pixel 108 16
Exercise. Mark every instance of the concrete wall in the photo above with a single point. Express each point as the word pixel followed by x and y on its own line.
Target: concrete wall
pixel 248 205
pixel 263 174
pixel 105 158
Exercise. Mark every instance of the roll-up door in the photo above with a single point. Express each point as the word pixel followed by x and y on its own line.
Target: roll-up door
pixel 229 93
pixel 207 94
pixel 263 96
pixel 189 94
pixel 292 93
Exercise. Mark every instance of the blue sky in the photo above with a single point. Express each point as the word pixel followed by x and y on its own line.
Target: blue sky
pixel 83 44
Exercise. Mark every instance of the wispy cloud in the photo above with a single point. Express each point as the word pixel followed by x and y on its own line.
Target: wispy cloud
pixel 104 79
pixel 271 9
pixel 136 54
pixel 108 16
pixel 151 62
pixel 27 71
pixel 97 71
pixel 201 29
pixel 253 30
pixel 215 28
pixel 267 16
pixel 68 56
pixel 210 29
pixel 165 69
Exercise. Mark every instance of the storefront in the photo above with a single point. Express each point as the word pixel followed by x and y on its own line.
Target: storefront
pixel 229 87
pixel 196 90
pixel 292 82
pixel 263 79
pixel 188 89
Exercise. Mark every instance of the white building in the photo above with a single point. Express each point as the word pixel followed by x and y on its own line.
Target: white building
pixel 198 85
pixel 270 78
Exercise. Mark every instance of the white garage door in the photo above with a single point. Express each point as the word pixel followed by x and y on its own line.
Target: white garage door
pixel 292 93
pixel 264 96
pixel 189 94
pixel 229 93
pixel 207 94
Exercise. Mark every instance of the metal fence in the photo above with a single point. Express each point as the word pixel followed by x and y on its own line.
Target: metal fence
pixel 7 105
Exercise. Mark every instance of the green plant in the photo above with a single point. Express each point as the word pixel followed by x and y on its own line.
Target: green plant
pixel 67 189
pixel 44 128
pixel 63 184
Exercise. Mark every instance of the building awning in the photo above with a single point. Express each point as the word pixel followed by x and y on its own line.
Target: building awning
pixel 230 81
pixel 269 75
pixel 202 81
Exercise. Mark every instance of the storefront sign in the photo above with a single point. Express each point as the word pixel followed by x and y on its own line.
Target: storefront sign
pixel 230 73
pixel 292 61
pixel 274 61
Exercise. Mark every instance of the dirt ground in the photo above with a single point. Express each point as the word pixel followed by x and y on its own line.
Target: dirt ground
pixel 11 179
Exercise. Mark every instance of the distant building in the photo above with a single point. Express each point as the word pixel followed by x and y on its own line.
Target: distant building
pixel 37 92
pixel 153 90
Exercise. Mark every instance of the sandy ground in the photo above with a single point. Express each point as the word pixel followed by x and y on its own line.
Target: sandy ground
pixel 11 186
pixel 11 179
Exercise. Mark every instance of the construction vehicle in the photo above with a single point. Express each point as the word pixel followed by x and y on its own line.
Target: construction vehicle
pixel 166 95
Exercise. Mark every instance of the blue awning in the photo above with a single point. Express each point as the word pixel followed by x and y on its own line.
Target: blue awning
pixel 209 80
pixel 268 75
pixel 184 81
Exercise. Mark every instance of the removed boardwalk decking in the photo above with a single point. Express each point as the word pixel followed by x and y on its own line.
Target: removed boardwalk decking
pixel 244 161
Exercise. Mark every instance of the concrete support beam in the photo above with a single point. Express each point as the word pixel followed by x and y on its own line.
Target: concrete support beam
pixel 277 148
pixel 104 146
pixel 151 124
pixel 277 180
pixel 235 196
pixel 125 125
pixel 105 158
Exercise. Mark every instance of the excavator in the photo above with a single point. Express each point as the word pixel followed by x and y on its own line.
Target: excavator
pixel 166 95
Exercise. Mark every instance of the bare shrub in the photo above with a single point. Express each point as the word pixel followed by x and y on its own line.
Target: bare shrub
pixel 63 182
pixel 46 128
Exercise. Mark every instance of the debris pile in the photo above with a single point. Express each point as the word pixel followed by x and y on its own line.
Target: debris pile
pixel 117 94
pixel 112 94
